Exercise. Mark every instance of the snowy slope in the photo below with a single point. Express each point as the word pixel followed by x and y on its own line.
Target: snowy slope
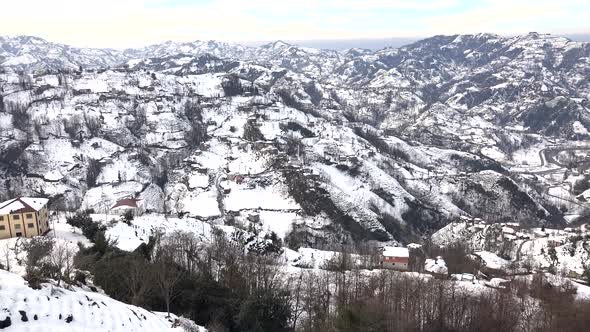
pixel 56 309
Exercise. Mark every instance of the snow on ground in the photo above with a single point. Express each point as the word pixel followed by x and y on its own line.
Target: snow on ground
pixel 202 204
pixel 105 196
pixel 310 258
pixel 61 230
pixel 266 198
pixel 208 85
pixel 494 153
pixel 579 128
pixel 129 237
pixel 197 180
pixel 450 234
pixel 247 163
pixel 562 251
pixel 278 221
pixel 314 258
pixel 12 253
pixel 582 291
pixel 492 260
pixel 56 309
pixel 436 266
pixel 529 156
pixel 24 59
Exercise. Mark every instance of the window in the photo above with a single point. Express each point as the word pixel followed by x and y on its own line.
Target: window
pixel 19 234
pixel 16 226
pixel 30 225
pixel 2 227
pixel 1 218
pixel 16 217
pixel 29 216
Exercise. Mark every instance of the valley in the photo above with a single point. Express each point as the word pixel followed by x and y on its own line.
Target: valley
pixel 258 167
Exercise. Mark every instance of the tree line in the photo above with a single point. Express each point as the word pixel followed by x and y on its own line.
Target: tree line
pixel 221 284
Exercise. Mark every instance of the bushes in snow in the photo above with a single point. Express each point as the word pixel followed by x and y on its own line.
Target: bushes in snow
pixel 72 127
pixel 93 171
pixel 11 156
pixel 582 185
pixel 294 126
pixel 20 117
pixel 232 86
pixel 48 259
pixel 252 132
pixel 93 124
pixel 195 135
pixel 218 284
pixel 89 227
pixel 194 114
pixel 294 146
pixel 127 217
pixel 290 100
pixel 38 248
pixel 315 95
pixel 193 111
pixel 381 144
pixel 138 121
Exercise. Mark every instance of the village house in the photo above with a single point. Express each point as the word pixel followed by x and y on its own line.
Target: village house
pixel 396 258
pixel 24 217
pixel 127 204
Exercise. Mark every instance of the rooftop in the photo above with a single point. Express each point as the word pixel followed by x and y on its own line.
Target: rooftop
pixel 126 203
pixel 396 252
pixel 22 204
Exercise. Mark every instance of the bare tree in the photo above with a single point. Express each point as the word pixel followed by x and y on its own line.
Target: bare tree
pixel 167 273
pixel 6 253
pixel 62 257
pixel 137 280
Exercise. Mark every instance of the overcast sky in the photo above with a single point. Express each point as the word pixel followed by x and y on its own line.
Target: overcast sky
pixel 133 23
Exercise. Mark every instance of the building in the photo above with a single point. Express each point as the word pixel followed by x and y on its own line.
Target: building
pixel 24 217
pixel 126 204
pixel 396 258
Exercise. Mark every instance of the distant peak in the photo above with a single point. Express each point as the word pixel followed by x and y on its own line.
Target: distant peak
pixel 276 45
pixel 26 39
pixel 280 43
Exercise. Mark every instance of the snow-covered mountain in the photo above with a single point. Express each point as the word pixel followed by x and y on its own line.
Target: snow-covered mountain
pixel 36 54
pixel 321 147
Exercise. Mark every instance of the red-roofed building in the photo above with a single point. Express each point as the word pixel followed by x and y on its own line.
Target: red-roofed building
pixel 396 258
pixel 126 204
pixel 24 216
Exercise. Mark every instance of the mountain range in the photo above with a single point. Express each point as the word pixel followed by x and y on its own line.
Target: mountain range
pixel 321 147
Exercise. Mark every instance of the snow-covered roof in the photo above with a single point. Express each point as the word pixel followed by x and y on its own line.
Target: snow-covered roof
pixel 396 252
pixel 22 204
pixel 414 246
pixel 35 202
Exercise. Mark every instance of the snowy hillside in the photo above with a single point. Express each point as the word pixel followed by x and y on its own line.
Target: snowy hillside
pixel 56 309
pixel 320 147
pixel 510 248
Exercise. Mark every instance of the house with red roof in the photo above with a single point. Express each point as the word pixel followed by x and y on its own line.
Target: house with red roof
pixel 127 204
pixel 395 258
pixel 24 217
